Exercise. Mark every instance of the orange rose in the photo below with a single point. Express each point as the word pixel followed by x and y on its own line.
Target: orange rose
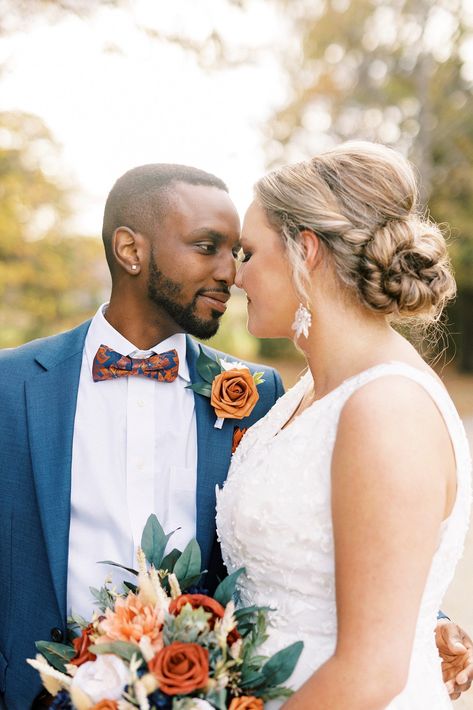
pixel 181 668
pixel 105 705
pixel 198 601
pixel 238 435
pixel 234 394
pixel 246 702
pixel 81 645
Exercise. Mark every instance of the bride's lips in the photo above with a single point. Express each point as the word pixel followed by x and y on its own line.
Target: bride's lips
pixel 216 299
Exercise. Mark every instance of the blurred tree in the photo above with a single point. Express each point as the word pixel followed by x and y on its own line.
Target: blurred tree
pixel 395 71
pixel 211 49
pixel 47 282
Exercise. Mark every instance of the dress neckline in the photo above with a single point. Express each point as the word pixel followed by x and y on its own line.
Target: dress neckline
pixel 307 377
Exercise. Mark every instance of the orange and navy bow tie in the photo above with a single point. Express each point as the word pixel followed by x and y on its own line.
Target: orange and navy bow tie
pixel 109 364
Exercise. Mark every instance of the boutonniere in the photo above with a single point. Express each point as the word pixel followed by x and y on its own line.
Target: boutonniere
pixel 231 387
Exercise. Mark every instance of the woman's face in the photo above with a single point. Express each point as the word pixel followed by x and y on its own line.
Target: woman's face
pixel 265 275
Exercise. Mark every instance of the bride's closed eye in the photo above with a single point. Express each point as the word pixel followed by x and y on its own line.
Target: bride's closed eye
pixel 244 256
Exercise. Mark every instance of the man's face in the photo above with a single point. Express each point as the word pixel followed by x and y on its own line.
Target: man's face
pixel 192 258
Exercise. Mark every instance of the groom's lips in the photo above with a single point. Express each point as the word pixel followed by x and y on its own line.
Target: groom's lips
pixel 216 299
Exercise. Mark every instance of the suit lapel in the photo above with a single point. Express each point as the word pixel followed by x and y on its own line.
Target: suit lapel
pixel 51 398
pixel 213 459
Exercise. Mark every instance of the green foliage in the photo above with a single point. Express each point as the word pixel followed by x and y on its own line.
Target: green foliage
pixel 168 563
pixel 373 69
pixel 189 626
pixel 57 654
pixel 207 367
pixel 48 282
pixel 154 541
pixel 115 564
pixel 103 598
pixel 188 565
pixel 123 649
pixel 226 589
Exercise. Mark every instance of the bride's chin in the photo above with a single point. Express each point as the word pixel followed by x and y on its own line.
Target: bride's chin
pixel 260 331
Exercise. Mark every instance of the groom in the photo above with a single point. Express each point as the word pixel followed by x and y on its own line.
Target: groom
pixel 86 455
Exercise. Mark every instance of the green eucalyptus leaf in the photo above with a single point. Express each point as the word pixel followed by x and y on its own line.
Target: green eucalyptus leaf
pixel 56 654
pixel 131 587
pixel 170 560
pixel 189 582
pixel 281 666
pixel 200 388
pixel 251 679
pixel 115 564
pixel 207 367
pixel 273 693
pixel 226 588
pixel 154 541
pixel 103 598
pixel 118 648
pixel 188 566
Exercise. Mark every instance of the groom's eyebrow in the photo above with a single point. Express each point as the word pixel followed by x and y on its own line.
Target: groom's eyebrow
pixel 218 237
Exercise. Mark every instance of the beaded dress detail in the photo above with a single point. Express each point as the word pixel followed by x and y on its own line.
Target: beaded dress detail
pixel 274 519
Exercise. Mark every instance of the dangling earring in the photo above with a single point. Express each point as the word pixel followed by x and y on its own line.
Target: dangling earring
pixel 302 321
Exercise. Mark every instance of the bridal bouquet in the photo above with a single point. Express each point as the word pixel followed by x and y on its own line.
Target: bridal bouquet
pixel 162 643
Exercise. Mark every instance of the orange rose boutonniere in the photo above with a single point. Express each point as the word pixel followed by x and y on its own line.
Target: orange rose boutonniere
pixel 232 389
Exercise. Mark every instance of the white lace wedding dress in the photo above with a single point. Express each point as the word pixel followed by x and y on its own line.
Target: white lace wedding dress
pixel 274 519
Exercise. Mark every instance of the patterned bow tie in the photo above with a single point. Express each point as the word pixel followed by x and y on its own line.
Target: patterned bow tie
pixel 109 364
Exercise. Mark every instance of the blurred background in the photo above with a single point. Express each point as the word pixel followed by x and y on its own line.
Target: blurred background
pixel 91 88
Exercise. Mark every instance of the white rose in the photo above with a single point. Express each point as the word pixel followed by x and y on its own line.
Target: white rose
pixel 199 704
pixel 233 365
pixel 103 679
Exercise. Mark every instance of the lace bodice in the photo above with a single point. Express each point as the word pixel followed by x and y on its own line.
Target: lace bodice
pixel 274 519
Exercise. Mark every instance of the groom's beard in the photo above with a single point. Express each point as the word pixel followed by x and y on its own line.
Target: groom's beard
pixel 165 293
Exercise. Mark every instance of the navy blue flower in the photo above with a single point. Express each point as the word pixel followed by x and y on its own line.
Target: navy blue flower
pixel 160 701
pixel 62 701
pixel 197 590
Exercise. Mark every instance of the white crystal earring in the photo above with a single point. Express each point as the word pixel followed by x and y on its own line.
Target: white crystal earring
pixel 302 321
pixel 134 267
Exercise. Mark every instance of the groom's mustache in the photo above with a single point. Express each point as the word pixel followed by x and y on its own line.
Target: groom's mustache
pixel 220 294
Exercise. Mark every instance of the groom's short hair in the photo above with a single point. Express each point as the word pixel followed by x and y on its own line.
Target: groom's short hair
pixel 139 198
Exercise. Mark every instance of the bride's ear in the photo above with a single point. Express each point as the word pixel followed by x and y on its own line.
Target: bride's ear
pixel 312 251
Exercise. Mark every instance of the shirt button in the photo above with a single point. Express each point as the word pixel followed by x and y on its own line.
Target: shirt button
pixel 140 465
pixel 57 635
pixel 141 403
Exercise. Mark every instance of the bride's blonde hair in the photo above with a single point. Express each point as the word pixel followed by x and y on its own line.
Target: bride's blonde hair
pixel 361 200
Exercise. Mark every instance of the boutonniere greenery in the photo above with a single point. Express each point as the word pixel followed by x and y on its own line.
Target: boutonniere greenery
pixel 230 386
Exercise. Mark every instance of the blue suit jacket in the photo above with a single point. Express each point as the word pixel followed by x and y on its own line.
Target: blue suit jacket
pixel 38 394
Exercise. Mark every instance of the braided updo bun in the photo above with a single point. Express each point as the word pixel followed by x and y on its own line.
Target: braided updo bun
pixel 361 200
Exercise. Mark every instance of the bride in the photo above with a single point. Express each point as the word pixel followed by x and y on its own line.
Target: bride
pixel 348 503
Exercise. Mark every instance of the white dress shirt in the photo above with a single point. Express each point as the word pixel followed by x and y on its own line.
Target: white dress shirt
pixel 134 453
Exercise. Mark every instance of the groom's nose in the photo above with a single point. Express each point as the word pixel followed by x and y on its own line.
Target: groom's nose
pixel 225 270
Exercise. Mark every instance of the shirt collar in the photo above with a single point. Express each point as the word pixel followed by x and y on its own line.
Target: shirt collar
pixel 101 332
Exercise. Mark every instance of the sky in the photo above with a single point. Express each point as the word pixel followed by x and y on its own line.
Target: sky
pixel 115 98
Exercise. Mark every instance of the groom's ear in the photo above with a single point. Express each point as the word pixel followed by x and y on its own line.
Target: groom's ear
pixel 127 249
pixel 312 250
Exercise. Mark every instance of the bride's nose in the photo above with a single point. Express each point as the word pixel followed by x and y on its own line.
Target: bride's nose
pixel 239 275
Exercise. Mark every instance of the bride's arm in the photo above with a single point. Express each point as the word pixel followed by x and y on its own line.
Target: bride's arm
pixel 391 471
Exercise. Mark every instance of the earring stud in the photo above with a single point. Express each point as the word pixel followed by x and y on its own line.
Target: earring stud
pixel 134 267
